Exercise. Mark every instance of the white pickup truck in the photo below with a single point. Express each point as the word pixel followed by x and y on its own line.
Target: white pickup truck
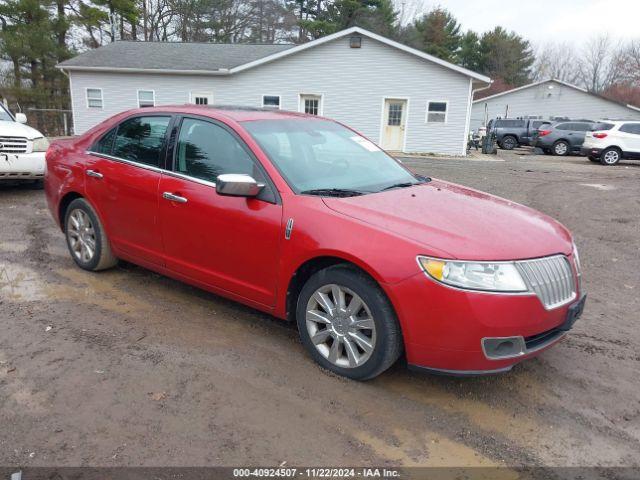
pixel 22 148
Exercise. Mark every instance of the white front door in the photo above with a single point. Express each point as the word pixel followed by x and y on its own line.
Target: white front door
pixel 394 121
pixel 201 98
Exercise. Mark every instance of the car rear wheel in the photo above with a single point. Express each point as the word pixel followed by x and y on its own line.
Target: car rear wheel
pixel 86 238
pixel 347 324
pixel 560 148
pixel 509 142
pixel 610 156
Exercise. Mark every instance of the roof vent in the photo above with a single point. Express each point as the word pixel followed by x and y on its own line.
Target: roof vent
pixel 355 41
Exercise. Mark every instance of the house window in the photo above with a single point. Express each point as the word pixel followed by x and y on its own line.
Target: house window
pixel 437 112
pixel 146 98
pixel 311 104
pixel 271 101
pixel 200 98
pixel 94 97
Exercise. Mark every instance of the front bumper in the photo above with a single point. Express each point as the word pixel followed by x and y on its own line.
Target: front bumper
pixel 591 151
pixel 22 166
pixel 444 329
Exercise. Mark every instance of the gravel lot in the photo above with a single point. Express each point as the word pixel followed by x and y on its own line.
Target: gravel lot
pixel 126 367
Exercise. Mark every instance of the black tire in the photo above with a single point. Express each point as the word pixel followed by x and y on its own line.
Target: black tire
pixel 102 257
pixel 610 156
pixel 593 159
pixel 36 184
pixel 388 338
pixel 509 142
pixel 561 148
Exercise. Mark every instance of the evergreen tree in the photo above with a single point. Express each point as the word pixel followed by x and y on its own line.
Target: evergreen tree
pixel 506 55
pixel 468 56
pixel 438 33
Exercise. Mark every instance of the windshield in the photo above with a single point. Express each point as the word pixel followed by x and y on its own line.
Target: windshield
pixel 5 116
pixel 320 155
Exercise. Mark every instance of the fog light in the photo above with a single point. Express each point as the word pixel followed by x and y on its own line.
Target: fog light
pixel 503 347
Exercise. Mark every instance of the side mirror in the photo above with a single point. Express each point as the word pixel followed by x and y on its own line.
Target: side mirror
pixel 21 118
pixel 237 185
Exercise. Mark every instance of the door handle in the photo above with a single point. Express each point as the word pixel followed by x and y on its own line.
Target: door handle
pixel 174 198
pixel 94 174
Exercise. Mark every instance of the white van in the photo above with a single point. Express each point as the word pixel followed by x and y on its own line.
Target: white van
pixel 22 148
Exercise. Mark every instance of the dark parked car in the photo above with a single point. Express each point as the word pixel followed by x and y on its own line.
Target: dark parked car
pixel 562 138
pixel 511 133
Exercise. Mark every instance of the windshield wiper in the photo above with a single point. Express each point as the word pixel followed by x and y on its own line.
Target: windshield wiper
pixel 420 181
pixel 400 185
pixel 333 192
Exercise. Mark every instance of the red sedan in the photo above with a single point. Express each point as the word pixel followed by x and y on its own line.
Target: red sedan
pixel 303 218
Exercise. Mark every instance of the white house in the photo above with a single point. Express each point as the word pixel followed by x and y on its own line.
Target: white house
pixel 547 99
pixel 399 97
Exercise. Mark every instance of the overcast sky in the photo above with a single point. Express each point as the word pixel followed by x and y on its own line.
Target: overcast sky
pixel 540 21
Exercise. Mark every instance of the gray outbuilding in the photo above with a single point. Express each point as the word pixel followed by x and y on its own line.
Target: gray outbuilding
pixel 401 98
pixel 547 99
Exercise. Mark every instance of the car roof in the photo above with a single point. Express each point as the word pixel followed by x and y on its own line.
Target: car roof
pixel 232 112
pixel 618 122
pixel 560 122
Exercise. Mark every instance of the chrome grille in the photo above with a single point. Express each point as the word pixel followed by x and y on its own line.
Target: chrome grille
pixel 13 144
pixel 551 278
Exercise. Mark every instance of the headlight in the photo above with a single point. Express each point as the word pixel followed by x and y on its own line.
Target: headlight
pixel 485 276
pixel 40 144
pixel 576 258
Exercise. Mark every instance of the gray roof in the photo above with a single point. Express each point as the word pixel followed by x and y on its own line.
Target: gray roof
pixel 205 57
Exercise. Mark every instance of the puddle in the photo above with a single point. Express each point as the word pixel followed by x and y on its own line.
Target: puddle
pixel 429 449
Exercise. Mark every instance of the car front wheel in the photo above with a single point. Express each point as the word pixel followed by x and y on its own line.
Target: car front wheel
pixel 347 324
pixel 610 156
pixel 86 238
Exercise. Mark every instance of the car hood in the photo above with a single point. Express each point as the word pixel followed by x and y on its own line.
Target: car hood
pixel 15 129
pixel 465 223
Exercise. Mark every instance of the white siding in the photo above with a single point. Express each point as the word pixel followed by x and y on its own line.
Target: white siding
pixel 559 101
pixel 353 83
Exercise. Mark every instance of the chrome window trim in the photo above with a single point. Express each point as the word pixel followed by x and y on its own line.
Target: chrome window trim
pixel 152 168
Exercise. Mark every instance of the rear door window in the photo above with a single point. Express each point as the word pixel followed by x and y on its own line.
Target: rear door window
pixel 141 139
pixel 582 127
pixel 633 128
pixel 105 144
pixel 564 126
pixel 510 123
pixel 601 126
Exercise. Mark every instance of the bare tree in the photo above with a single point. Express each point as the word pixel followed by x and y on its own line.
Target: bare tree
pixel 630 62
pixel 556 61
pixel 600 63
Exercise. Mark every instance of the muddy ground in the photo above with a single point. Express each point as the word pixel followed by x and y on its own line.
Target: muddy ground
pixel 127 367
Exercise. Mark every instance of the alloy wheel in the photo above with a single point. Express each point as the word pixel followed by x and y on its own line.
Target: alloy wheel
pixel 611 157
pixel 82 236
pixel 560 148
pixel 340 326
